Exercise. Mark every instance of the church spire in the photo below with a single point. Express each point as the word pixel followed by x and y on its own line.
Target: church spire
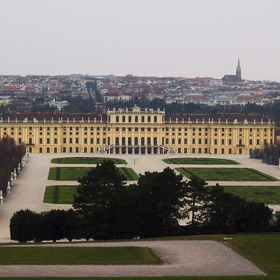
pixel 238 70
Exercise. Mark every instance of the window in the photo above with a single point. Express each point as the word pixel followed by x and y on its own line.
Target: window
pixel 215 142
pixel 104 141
pixel 149 119
pixel 142 119
pixel 117 119
pixel 193 141
pixel 64 140
pixel 136 118
pixel 41 141
pixel 179 141
pixel 123 118
pixel 70 140
pixel 206 141
pixel 155 119
pixel 223 142
pixel 173 141
pixel 216 129
pixel 91 140
pixel 55 140
pixel 199 141
pixel 129 119
pixel 250 142
pixel 77 140
pixel 166 141
pixel 229 141
pixel 48 140
pixel 85 140
pixel 185 141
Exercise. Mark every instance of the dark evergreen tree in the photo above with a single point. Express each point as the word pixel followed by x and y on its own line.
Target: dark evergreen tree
pixel 97 195
pixel 196 202
pixel 23 225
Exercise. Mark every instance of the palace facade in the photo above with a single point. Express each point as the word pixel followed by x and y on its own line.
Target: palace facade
pixel 138 131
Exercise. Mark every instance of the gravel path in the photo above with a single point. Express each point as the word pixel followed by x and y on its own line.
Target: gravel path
pixel 182 258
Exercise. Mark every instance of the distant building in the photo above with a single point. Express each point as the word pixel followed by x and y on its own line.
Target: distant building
pixel 234 78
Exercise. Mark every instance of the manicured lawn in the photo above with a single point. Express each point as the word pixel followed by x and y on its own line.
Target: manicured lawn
pixel 262 249
pixel 78 255
pixel 268 195
pixel 199 161
pixel 59 194
pixel 226 174
pixel 72 173
pixel 86 160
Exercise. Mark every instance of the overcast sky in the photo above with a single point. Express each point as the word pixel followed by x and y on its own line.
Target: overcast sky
pixel 188 38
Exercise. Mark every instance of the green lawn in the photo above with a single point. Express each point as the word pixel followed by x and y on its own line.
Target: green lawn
pixel 59 194
pixel 268 195
pixel 262 249
pixel 226 174
pixel 78 255
pixel 199 161
pixel 86 160
pixel 72 173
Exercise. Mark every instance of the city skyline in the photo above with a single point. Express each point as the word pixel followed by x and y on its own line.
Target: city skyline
pixel 143 38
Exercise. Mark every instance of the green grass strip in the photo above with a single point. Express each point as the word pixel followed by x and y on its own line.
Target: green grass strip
pixel 199 161
pixel 72 173
pixel 262 249
pixel 265 194
pixel 226 174
pixel 64 194
pixel 78 255
pixel 86 160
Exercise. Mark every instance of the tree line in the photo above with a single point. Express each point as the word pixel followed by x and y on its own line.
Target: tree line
pixel 11 154
pixel 105 207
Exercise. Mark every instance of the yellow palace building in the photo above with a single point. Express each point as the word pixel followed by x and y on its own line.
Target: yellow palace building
pixel 138 131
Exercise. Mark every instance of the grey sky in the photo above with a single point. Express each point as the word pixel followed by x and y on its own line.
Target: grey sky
pixel 186 38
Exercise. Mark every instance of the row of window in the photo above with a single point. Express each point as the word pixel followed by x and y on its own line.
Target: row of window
pixel 136 119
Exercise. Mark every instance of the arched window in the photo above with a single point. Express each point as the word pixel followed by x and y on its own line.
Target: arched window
pixel 109 118
pixel 129 141
pixel 117 118
pixel 117 141
pixel 155 141
pixel 129 119
pixel 142 141
pixel 155 119
pixel 240 142
pixel 136 118
pixel 149 119
pixel 136 141
pixel 123 140
pixel 149 141
pixel 123 118
pixel 142 119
